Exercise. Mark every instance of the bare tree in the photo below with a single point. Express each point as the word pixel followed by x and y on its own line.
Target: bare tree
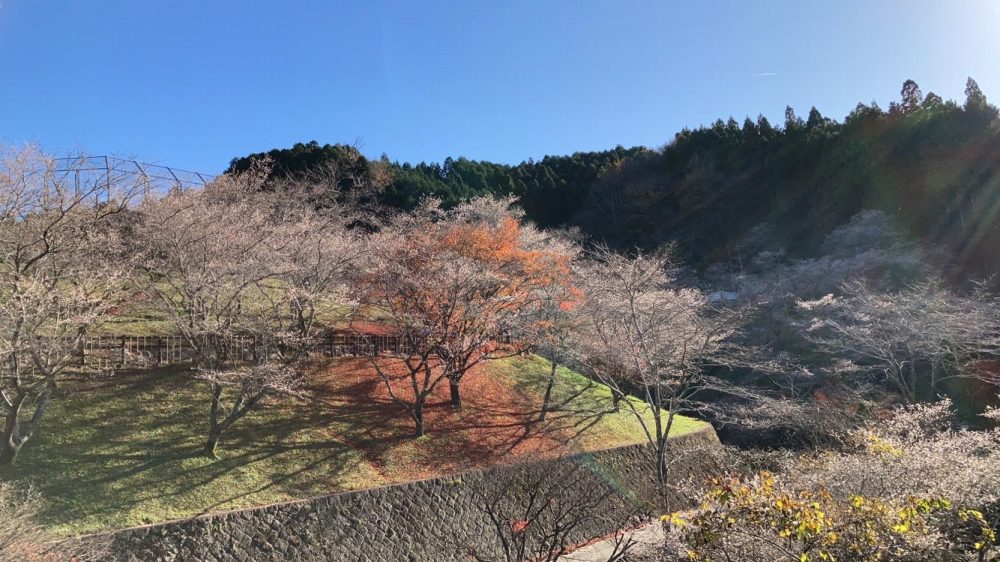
pixel 321 261
pixel 553 321
pixel 318 254
pixel 647 335
pixel 214 261
pixel 542 516
pixel 61 273
pixel 552 329
pixel 20 533
pixel 916 337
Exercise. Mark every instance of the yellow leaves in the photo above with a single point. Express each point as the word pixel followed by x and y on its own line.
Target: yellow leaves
pixel 985 536
pixel 674 519
pixel 882 447
pixel 817 525
pixel 967 514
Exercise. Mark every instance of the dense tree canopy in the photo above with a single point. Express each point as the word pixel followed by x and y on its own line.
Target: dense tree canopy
pixel 931 163
pixel 550 190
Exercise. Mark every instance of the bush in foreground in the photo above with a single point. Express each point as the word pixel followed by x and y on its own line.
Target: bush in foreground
pixel 911 487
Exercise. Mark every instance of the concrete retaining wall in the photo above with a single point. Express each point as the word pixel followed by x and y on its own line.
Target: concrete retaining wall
pixel 441 519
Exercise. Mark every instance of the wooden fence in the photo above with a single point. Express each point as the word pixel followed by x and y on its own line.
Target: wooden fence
pixel 112 351
pixel 115 351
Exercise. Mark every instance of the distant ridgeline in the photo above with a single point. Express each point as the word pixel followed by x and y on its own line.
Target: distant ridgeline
pixel 551 190
pixel 931 163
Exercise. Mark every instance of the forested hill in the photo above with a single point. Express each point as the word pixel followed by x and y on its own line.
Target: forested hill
pixel 931 163
pixel 551 190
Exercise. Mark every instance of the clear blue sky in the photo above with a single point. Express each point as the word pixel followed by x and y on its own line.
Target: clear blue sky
pixel 195 83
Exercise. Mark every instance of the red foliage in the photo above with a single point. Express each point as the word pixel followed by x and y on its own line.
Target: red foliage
pixel 495 425
pixel 518 526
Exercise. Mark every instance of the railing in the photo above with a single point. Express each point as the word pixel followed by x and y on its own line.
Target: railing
pixel 116 351
pixel 113 351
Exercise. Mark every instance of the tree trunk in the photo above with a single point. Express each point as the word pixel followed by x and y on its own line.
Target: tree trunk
pixel 214 431
pixel 663 444
pixel 662 475
pixel 17 431
pixel 9 447
pixel 418 418
pixel 548 393
pixel 8 451
pixel 456 396
pixel 935 363
pixel 211 444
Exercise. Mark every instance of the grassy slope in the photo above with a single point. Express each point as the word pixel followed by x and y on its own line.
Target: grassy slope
pixel 124 451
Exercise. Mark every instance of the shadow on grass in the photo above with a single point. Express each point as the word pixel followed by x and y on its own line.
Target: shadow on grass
pixel 499 420
pixel 126 450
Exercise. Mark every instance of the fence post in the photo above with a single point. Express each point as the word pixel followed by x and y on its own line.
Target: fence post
pixel 122 363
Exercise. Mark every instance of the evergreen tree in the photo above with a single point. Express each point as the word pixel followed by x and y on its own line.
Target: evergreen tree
pixel 912 97
pixel 974 97
pixel 793 122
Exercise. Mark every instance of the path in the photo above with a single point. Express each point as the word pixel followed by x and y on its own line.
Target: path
pixel 648 540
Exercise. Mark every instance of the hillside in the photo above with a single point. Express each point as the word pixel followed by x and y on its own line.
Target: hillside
pixel 931 163
pixel 127 450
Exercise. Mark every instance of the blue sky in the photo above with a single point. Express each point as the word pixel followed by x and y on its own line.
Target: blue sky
pixel 194 83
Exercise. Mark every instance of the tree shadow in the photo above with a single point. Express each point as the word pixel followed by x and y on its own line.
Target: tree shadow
pixel 126 449
pixel 499 420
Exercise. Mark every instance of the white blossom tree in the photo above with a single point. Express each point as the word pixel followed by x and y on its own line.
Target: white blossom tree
pixel 647 335
pixel 61 273
pixel 915 337
pixel 214 260
pixel 554 320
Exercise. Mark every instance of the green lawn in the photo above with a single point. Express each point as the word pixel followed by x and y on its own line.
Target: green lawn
pixel 124 450
pixel 582 397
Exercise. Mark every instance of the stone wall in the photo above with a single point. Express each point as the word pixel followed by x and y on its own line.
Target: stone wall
pixel 440 519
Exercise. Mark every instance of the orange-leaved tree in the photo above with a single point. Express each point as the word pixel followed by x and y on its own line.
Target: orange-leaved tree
pixel 495 312
pixel 453 285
